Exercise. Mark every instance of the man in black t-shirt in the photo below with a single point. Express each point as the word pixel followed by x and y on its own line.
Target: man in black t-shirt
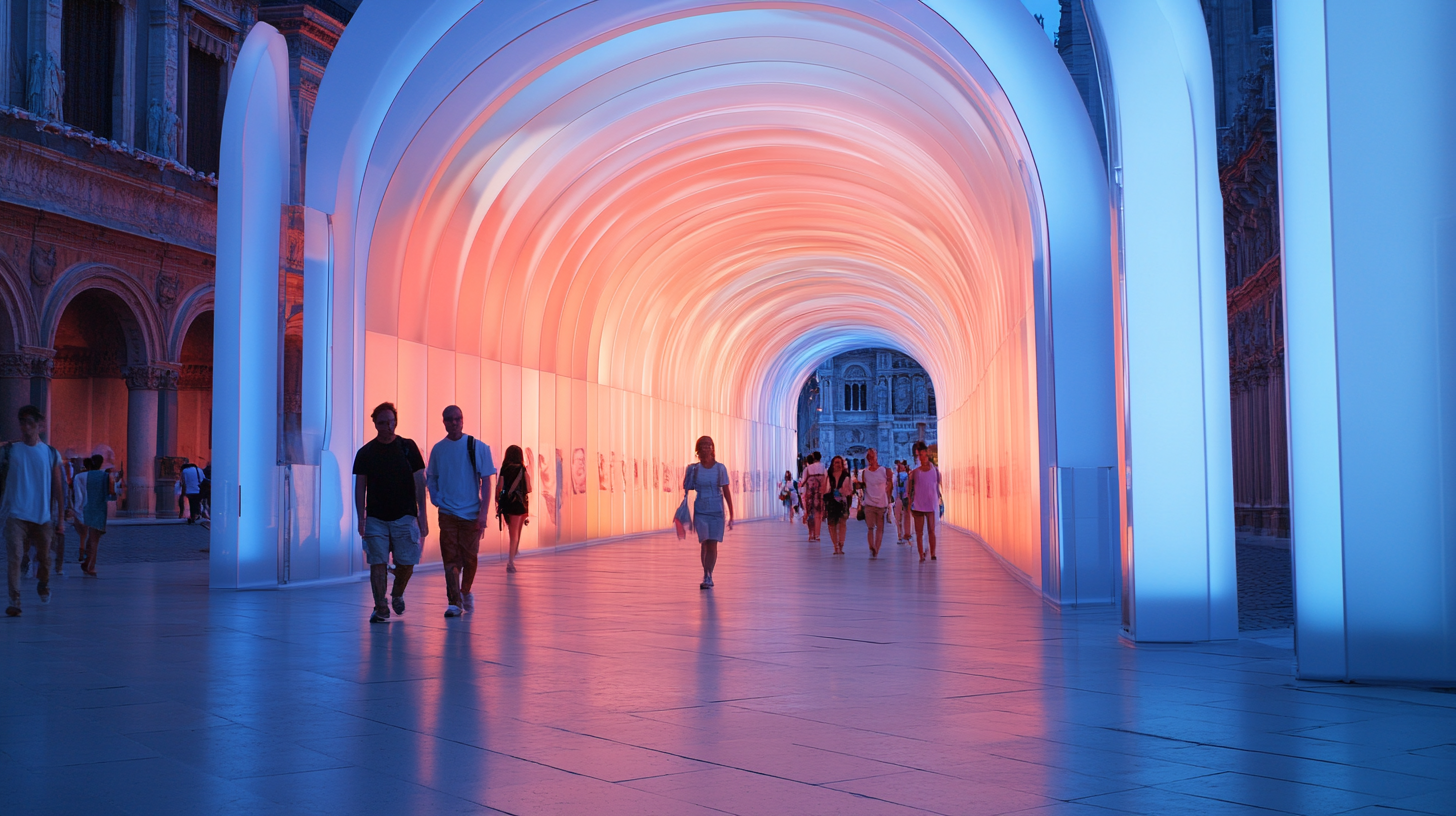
pixel 389 490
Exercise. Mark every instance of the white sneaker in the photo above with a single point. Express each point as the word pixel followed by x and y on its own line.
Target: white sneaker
pixel 707 582
pixel 452 611
pixel 30 570
pixel 469 602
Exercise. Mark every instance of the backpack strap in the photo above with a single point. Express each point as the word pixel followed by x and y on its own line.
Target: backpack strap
pixel 470 452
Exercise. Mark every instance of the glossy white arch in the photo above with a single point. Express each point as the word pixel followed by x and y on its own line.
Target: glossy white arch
pixel 604 228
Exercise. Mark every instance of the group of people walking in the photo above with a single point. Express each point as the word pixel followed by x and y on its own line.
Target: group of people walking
pixel 36 503
pixel 875 495
pixel 391 484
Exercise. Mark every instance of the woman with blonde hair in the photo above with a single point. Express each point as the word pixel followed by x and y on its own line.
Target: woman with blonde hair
pixel 709 478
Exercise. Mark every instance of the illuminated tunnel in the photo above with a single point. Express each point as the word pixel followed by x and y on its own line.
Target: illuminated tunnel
pixel 606 228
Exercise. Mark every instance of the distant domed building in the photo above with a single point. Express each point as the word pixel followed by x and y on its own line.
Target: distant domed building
pixel 870 398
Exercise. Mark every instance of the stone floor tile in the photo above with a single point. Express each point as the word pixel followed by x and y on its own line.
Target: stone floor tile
pixel 602 680
pixel 1280 794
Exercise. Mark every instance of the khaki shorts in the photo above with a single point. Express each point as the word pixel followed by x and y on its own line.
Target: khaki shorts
pixel 874 516
pixel 400 537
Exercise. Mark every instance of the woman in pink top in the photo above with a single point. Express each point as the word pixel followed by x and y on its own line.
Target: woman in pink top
pixel 924 491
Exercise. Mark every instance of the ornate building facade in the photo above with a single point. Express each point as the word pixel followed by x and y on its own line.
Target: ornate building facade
pixel 1240 37
pixel 1248 175
pixel 110 129
pixel 870 398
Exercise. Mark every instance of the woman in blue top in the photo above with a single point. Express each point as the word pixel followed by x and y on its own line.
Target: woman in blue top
pixel 710 479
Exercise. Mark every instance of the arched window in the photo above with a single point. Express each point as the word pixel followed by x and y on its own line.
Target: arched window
pixel 856 390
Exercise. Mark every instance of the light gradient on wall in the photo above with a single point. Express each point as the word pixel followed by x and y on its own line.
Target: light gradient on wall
pixel 606 229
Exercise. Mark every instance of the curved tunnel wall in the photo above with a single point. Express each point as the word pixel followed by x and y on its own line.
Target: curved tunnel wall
pixel 609 228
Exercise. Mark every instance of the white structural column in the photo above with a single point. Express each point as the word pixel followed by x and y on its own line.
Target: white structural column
pixel 1173 405
pixel 1309 338
pixel 251 191
pixel 1366 160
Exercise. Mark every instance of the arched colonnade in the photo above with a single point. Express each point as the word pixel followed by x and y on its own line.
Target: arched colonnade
pixel 115 371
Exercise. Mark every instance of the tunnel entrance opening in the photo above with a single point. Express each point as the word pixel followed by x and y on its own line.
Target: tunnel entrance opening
pixel 867 398
pixel 607 228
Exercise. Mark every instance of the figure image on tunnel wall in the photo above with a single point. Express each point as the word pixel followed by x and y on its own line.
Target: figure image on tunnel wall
pixel 548 487
pixel 602 484
pixel 530 463
pixel 578 471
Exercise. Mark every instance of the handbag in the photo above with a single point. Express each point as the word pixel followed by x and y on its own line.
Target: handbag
pixel 683 518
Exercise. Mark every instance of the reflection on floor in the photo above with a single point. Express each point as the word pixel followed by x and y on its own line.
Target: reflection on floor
pixel 603 681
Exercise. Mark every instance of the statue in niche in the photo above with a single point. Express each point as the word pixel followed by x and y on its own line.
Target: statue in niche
pixel 168 140
pixel 154 127
pixel 902 395
pixel 45 85
pixel 882 397
pixel 921 398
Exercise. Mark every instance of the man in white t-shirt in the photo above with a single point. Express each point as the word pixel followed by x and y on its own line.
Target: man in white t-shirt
pixel 878 482
pixel 32 505
pixel 458 477
pixel 192 489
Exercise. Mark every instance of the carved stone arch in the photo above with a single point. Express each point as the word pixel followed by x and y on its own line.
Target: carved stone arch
pixel 197 302
pixel 855 372
pixel 16 309
pixel 139 322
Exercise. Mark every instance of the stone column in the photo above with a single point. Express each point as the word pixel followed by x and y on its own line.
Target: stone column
pixel 14 391
pixel 42 366
pixel 25 379
pixel 143 384
pixel 166 436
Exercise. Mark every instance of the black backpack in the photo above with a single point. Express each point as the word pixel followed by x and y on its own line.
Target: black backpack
pixel 513 499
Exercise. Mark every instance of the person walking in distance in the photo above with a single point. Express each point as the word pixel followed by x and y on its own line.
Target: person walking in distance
pixel 514 501
pixel 458 478
pixel 812 491
pixel 878 484
pixel 709 478
pixel 789 495
pixel 837 488
pixel 192 491
pixel 33 504
pixel 924 492
pixel 902 502
pixel 93 490
pixel 389 492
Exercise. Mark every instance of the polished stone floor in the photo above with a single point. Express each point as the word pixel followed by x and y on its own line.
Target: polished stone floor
pixel 603 681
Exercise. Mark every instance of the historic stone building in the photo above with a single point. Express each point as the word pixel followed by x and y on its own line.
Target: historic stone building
pixel 870 398
pixel 110 128
pixel 1240 35
pixel 1243 47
